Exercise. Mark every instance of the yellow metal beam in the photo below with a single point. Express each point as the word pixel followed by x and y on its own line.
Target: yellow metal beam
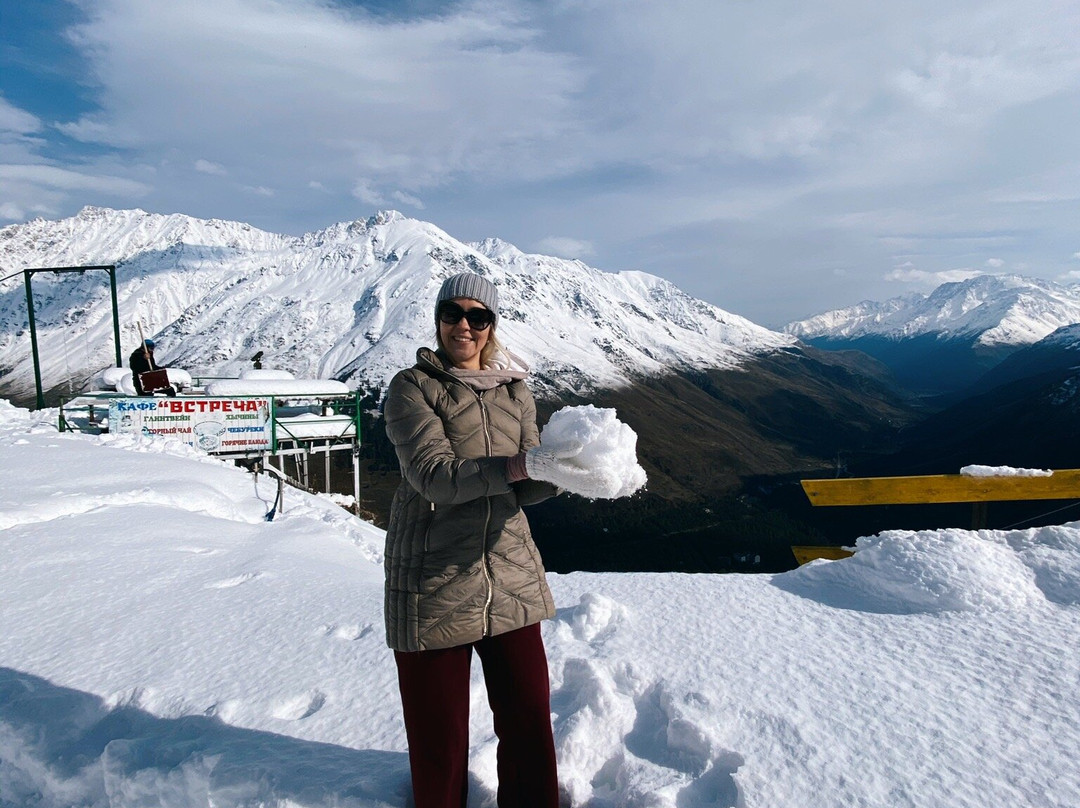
pixel 804 554
pixel 941 488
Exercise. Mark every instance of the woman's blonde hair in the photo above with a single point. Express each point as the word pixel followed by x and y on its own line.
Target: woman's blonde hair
pixel 491 347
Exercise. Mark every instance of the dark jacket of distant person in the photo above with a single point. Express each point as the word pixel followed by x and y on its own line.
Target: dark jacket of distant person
pixel 141 361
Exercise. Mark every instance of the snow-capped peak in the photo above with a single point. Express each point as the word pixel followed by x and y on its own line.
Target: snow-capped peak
pixel 989 309
pixel 352 301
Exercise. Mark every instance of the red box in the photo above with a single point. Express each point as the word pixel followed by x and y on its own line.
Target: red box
pixel 152 380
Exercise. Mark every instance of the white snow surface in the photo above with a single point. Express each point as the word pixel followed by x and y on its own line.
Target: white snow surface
pixel 119 379
pixel 1003 471
pixel 993 309
pixel 608 451
pixel 286 388
pixel 162 644
pixel 265 373
pixel 351 302
pixel 315 426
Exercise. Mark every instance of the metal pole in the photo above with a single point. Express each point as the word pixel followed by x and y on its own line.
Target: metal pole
pixel 115 316
pixel 356 476
pixel 356 451
pixel 33 340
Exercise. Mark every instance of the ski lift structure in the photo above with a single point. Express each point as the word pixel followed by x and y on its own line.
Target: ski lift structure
pixel 28 277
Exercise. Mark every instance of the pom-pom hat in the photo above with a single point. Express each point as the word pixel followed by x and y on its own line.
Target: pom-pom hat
pixel 472 286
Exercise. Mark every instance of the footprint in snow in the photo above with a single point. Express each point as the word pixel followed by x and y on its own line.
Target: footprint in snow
pixel 630 739
pixel 196 550
pixel 353 632
pixel 347 632
pixel 228 583
pixel 664 733
pixel 300 707
pixel 717 786
pixel 225 711
pixel 596 618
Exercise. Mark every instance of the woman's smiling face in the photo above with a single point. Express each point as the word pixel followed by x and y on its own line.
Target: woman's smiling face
pixel 462 342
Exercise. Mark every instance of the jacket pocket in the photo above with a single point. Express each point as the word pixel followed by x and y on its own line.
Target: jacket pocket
pixel 427 527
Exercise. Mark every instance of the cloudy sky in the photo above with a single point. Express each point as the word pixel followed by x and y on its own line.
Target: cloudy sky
pixel 776 158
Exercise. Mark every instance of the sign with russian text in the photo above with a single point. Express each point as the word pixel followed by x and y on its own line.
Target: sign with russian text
pixel 211 424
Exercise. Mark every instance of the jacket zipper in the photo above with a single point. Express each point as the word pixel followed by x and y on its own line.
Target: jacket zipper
pixel 484 561
pixel 487 523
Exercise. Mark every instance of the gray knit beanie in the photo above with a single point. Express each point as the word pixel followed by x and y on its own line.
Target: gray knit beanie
pixel 472 286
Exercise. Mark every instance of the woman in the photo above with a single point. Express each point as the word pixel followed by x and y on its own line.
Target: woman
pixel 462 572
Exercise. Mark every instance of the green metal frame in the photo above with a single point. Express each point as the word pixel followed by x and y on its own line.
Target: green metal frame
pixel 355 396
pixel 28 275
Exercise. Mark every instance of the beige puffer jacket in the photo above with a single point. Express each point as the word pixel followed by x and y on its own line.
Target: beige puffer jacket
pixel 460 560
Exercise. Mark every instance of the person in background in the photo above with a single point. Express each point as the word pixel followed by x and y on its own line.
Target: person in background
pixel 462 571
pixel 142 360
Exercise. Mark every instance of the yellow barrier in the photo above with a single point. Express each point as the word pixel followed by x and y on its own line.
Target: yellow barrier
pixel 806 553
pixel 941 488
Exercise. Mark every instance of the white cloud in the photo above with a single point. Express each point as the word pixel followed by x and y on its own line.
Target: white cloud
pixel 411 101
pixel 995 263
pixel 512 91
pixel 824 142
pixel 96 130
pixel 14 119
pixel 42 189
pixel 366 192
pixel 69 180
pixel 930 280
pixel 363 191
pixel 563 247
pixel 407 199
pixel 207 167
pixel 11 212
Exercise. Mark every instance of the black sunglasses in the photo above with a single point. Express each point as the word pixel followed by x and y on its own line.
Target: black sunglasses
pixel 451 314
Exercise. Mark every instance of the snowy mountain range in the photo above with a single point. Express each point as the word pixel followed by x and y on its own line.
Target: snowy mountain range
pixel 352 302
pixel 713 398
pixel 993 310
pixel 1057 353
pixel 720 405
pixel 943 342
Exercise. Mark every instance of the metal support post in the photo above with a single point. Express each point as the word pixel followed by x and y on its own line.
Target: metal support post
pixel 27 275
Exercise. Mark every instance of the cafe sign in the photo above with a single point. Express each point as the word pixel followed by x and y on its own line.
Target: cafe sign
pixel 212 424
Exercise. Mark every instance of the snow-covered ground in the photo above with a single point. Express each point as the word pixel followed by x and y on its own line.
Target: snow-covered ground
pixel 162 644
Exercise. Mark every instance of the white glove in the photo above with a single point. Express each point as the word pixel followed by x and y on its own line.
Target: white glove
pixel 556 466
pixel 542 462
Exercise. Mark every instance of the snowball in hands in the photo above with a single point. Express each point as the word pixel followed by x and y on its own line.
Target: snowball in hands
pixel 587 451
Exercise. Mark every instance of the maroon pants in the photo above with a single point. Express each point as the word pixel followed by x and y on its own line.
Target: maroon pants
pixel 435 697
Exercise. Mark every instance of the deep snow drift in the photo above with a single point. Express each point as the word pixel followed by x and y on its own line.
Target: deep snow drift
pixel 162 644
